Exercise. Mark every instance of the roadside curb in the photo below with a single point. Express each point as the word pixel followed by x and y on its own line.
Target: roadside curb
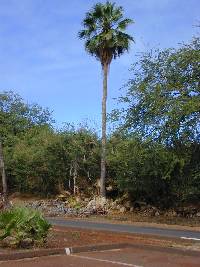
pixel 60 251
pixel 103 247
pixel 31 254
pixel 97 247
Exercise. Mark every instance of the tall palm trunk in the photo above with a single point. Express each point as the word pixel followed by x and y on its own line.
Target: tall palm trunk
pixel 3 174
pixel 103 139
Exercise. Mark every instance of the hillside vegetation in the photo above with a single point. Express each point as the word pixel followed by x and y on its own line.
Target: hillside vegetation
pixel 153 155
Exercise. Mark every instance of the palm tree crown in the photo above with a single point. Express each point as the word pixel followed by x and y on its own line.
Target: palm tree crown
pixel 104 32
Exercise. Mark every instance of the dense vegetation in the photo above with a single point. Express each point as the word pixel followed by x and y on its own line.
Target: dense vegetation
pixel 22 227
pixel 39 159
pixel 161 121
pixel 153 154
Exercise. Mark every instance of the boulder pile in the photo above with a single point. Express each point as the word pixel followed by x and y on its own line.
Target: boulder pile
pixel 74 206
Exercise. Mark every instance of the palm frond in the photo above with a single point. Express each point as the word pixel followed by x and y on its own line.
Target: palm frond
pixel 97 12
pixel 103 32
pixel 122 25
pixel 21 222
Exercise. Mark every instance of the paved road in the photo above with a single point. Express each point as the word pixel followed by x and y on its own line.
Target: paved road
pixel 125 228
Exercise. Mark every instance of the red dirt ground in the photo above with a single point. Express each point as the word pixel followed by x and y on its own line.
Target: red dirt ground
pixel 60 237
pixel 67 237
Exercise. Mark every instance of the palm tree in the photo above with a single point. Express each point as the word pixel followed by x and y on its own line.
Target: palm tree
pixel 105 38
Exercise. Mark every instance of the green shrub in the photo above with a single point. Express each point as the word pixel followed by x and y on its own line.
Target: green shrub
pixel 22 224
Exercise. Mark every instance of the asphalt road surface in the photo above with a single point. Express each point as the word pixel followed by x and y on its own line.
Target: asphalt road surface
pixel 184 234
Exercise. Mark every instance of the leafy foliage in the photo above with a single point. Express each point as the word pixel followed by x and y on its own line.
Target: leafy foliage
pixel 162 107
pixel 43 162
pixel 163 97
pixel 147 171
pixel 104 32
pixel 40 160
pixel 22 223
pixel 17 116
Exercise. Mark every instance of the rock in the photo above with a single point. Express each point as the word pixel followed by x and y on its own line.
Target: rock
pixel 139 205
pixel 91 203
pixel 26 243
pixel 122 210
pixel 128 205
pixel 157 213
pixel 10 242
pixel 97 203
pixel 124 198
pixel 114 205
pixel 62 197
pixel 78 199
pixel 186 211
pixel 151 212
pixel 171 213
pixel 109 188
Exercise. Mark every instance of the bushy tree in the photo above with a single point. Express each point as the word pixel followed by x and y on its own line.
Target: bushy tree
pixel 15 118
pixel 31 165
pixel 147 171
pixel 162 104
pixel 163 95
pixel 83 150
pixel 45 162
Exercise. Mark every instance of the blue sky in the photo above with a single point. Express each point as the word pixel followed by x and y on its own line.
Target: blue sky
pixel 42 59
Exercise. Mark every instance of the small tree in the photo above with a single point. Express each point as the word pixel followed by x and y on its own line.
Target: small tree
pixel 105 38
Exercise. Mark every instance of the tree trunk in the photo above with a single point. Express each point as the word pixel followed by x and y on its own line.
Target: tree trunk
pixel 103 139
pixel 75 174
pixel 3 174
